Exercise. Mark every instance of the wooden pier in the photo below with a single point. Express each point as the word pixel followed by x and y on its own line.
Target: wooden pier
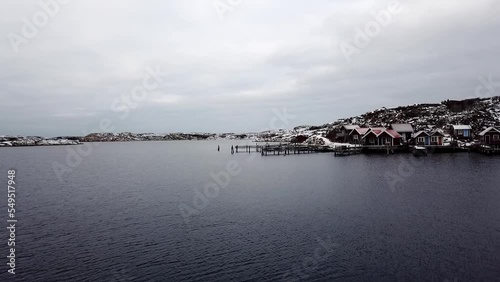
pixel 488 150
pixel 280 149
pixel 346 150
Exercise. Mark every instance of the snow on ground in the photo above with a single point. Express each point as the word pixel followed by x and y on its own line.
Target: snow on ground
pixel 58 142
pixel 37 142
pixel 323 141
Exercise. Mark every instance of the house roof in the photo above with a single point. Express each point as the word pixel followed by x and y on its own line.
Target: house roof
pixel 393 133
pixel 350 126
pixel 402 127
pixel 360 131
pixel 436 132
pixel 420 133
pixel 379 130
pixel 428 133
pixel 461 126
pixel 375 130
pixel 488 130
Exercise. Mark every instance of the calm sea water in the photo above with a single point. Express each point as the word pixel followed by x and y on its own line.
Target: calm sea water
pixel 116 216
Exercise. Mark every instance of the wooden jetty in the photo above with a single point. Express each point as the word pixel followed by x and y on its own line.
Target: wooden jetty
pixel 246 148
pixel 288 149
pixel 435 149
pixel 345 150
pixel 488 150
pixel 280 149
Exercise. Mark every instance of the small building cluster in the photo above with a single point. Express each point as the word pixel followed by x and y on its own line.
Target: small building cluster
pixel 405 135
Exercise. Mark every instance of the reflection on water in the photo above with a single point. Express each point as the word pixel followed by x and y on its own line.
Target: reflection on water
pixel 116 217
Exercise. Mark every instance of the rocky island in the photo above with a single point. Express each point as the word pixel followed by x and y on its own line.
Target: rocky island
pixel 479 113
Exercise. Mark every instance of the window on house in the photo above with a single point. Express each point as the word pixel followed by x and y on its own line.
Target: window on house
pixel 496 137
pixel 355 137
pixel 420 139
pixel 434 139
pixel 460 132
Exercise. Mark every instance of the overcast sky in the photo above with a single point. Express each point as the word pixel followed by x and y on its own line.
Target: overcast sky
pixel 226 70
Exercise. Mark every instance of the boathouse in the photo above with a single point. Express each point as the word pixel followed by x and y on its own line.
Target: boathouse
pixel 379 136
pixel 431 138
pixel 461 132
pixel 490 137
pixel 404 129
pixel 345 130
pixel 437 138
pixel 356 135
pixel 422 138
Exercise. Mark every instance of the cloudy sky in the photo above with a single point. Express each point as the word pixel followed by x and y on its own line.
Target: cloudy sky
pixel 224 65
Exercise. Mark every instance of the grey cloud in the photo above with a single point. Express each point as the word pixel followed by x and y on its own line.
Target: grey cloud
pixel 229 75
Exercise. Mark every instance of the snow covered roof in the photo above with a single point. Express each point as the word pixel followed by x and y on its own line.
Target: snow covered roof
pixel 402 127
pixel 393 133
pixel 461 127
pixel 488 130
pixel 436 132
pixel 428 133
pixel 379 130
pixel 376 130
pixel 420 133
pixel 360 131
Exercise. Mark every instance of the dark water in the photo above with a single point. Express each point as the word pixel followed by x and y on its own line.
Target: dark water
pixel 315 217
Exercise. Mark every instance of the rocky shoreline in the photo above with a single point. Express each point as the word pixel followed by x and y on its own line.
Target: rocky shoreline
pixel 480 113
pixel 21 141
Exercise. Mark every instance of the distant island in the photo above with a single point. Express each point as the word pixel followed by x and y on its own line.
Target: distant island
pixel 478 113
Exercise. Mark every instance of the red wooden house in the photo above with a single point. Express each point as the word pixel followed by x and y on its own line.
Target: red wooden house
pixel 344 132
pixel 432 138
pixel 437 138
pixel 379 136
pixel 490 137
pixel 422 138
pixel 356 135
